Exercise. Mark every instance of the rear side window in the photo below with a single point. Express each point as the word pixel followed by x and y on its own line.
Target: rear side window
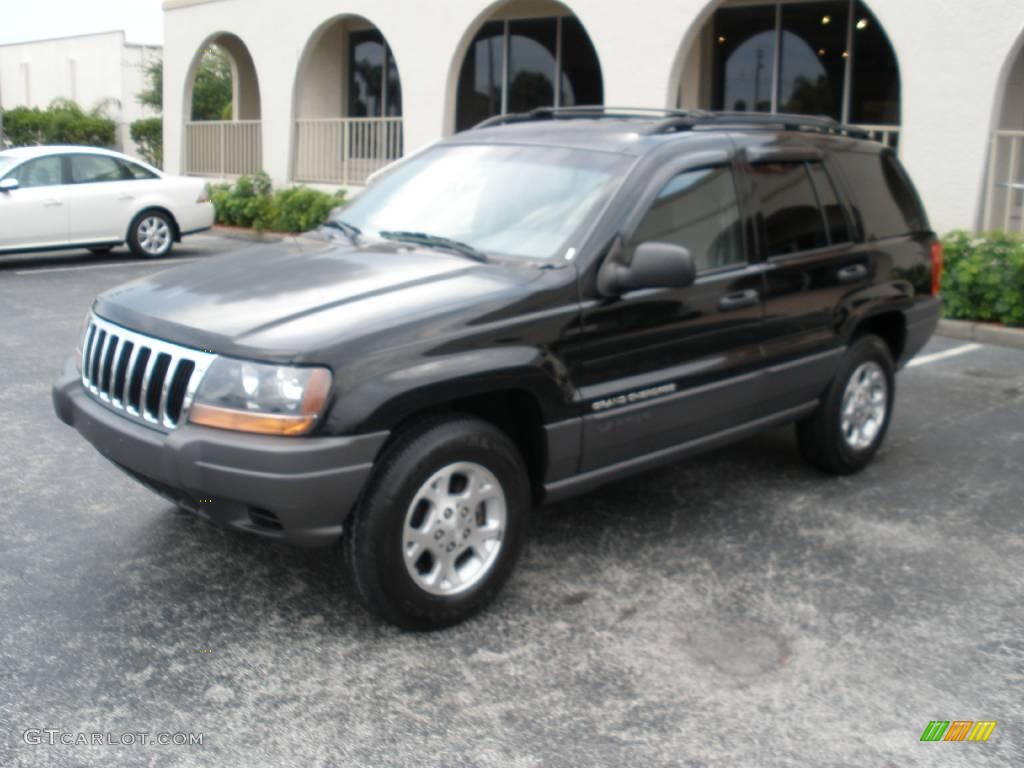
pixel 835 215
pixel 883 202
pixel 135 171
pixel 792 218
pixel 90 169
pixel 698 210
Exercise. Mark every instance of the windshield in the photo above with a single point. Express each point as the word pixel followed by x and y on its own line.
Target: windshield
pixel 6 163
pixel 498 199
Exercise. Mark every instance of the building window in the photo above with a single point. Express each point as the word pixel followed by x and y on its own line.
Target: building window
pixel 373 86
pixel 816 58
pixel 522 64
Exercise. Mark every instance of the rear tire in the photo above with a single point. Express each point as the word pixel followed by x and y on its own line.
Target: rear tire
pixel 848 427
pixel 441 524
pixel 151 235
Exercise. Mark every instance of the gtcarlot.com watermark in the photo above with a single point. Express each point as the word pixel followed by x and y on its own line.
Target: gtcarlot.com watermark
pixel 55 737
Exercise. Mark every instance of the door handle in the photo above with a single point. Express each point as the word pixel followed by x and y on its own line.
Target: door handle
pixel 852 273
pixel 741 300
pixel 52 201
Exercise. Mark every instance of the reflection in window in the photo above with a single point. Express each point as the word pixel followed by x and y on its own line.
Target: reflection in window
pixel 538 71
pixel 698 210
pixel 812 62
pixel 744 58
pixel 835 216
pixel 373 88
pixel 481 79
pixel 875 97
pixel 812 43
pixel 42 172
pixel 89 169
pixel 792 218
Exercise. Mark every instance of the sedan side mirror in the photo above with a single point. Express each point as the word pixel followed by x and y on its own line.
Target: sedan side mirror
pixel 8 184
pixel 654 265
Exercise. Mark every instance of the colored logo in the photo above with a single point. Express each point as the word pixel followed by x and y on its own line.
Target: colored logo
pixel 958 730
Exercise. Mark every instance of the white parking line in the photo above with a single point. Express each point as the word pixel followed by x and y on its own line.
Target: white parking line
pixel 936 356
pixel 155 263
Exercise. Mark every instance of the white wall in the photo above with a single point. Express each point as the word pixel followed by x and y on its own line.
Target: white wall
pixel 951 53
pixel 89 69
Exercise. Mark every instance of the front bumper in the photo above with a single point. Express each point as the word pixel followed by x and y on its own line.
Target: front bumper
pixel 299 489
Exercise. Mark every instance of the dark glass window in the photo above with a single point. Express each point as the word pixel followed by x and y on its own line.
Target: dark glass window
pixel 532 66
pixel 812 58
pixel 698 210
pixel 366 65
pixel 835 216
pixel 581 74
pixel 135 171
pixel 91 169
pixel 875 94
pixel 394 88
pixel 41 172
pixel 883 201
pixel 792 218
pixel 480 81
pixel 744 40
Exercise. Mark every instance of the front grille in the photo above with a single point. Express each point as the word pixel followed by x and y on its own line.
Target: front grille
pixel 145 379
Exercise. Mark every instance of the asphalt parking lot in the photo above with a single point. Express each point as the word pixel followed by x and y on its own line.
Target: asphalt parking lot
pixel 737 610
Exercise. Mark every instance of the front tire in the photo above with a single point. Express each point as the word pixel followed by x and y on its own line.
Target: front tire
pixel 441 524
pixel 848 427
pixel 151 235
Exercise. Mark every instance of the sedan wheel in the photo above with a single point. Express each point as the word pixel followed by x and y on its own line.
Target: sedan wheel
pixel 152 236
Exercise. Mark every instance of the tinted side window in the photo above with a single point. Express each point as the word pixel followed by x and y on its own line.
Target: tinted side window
pixel 88 169
pixel 883 202
pixel 135 171
pixel 835 216
pixel 699 211
pixel 41 172
pixel 792 218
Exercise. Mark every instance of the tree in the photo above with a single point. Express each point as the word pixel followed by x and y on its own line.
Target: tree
pixel 211 91
pixel 148 135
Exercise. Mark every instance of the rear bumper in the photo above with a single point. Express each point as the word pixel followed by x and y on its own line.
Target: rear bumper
pixel 296 489
pixel 195 218
pixel 922 320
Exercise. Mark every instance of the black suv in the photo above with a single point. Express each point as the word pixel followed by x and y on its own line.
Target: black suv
pixel 517 314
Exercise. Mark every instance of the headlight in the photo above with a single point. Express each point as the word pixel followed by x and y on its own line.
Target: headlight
pixel 81 340
pixel 254 397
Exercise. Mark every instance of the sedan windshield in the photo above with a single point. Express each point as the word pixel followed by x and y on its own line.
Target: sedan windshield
pixel 495 199
pixel 6 163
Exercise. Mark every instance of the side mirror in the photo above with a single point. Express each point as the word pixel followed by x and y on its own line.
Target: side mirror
pixel 6 185
pixel 654 265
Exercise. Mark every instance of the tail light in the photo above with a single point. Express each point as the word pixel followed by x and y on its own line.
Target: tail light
pixel 936 268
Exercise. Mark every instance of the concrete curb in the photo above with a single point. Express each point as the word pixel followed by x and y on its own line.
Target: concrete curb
pixel 250 235
pixel 985 333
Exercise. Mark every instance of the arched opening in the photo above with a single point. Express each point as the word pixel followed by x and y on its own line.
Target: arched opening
pixel 1004 198
pixel 522 55
pixel 816 58
pixel 222 102
pixel 348 104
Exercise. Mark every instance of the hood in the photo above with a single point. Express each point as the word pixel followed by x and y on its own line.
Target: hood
pixel 286 297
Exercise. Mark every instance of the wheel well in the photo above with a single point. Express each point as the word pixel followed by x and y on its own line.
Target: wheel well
pixel 891 327
pixel 514 412
pixel 176 230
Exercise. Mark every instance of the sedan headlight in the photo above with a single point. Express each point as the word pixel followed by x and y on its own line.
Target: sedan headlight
pixel 255 397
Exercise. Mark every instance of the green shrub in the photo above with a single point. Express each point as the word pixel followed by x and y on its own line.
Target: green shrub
pixel 63 122
pixel 252 202
pixel 984 277
pixel 148 135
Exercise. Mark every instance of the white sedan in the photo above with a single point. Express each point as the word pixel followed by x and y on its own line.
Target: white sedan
pixel 83 197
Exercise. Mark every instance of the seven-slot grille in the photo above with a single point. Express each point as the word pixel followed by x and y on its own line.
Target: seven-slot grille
pixel 148 380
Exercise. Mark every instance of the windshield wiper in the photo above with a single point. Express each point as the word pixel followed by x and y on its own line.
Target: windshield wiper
pixel 351 231
pixel 436 241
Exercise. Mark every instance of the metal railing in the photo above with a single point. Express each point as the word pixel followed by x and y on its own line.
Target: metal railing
pixel 1004 196
pixel 345 150
pixel 886 134
pixel 223 148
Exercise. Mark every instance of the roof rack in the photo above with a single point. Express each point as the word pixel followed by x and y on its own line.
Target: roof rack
pixel 676 120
